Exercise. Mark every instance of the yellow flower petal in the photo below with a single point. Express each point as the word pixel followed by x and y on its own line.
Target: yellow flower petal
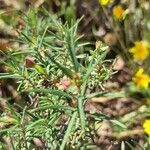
pixel 146 126
pixel 118 11
pixel 140 71
pixel 140 51
pixel 104 2
pixel 141 80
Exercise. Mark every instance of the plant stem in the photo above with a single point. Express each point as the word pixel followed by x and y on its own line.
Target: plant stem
pixel 67 134
pixel 81 112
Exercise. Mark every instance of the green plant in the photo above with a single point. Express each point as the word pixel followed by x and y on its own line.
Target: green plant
pixel 56 74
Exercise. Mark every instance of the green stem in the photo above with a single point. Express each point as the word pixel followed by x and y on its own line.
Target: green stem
pixel 81 112
pixel 67 134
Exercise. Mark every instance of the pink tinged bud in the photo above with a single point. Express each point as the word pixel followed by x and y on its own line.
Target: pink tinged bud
pixel 65 82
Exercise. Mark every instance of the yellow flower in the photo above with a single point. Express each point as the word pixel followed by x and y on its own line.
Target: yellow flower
pixel 141 80
pixel 140 50
pixel 146 126
pixel 104 2
pixel 118 11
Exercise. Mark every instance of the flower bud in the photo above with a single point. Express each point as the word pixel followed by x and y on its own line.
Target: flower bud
pixel 29 62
